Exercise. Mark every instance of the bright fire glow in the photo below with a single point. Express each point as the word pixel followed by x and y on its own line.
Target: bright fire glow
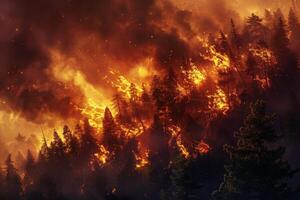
pixel 196 75
pixel 219 60
pixel 102 155
pixel 95 100
pixel 219 102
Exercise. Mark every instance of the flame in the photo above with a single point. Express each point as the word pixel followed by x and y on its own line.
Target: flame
pixel 265 55
pixel 182 148
pixel 175 132
pixel 122 84
pixel 219 60
pixel 195 75
pixel 132 131
pixel 142 160
pixel 219 101
pixel 102 155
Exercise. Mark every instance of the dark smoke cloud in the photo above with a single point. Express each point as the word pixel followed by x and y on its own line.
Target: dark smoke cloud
pixel 128 31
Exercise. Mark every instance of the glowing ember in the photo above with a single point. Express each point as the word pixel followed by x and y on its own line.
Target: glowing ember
pixel 142 160
pixel 182 148
pixel 202 147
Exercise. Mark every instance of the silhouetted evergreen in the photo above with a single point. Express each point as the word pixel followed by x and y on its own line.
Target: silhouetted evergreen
pixel 13 186
pixel 256 169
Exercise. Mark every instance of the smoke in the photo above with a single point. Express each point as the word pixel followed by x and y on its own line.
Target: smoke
pixel 99 35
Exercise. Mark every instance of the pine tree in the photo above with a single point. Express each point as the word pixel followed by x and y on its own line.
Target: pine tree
pixel 184 179
pixel 170 96
pixel 71 143
pixel 88 144
pixel 255 170
pixel 254 30
pixel 57 148
pixel 2 184
pixel 159 140
pixel 223 43
pixel 145 96
pixel 277 15
pixel 134 101
pixel 147 106
pixel 159 157
pixel 268 18
pixel 286 59
pixel 44 151
pixel 157 93
pixel 280 39
pixel 294 28
pixel 235 38
pixel 110 134
pixel 179 179
pixel 128 160
pixel 29 170
pixel 251 66
pixel 293 22
pixel 13 185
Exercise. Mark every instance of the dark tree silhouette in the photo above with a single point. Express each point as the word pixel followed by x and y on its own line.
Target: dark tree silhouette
pixel 287 69
pixel 13 185
pixel 254 30
pixel 88 144
pixel 255 170
pixel 294 27
pixel 110 135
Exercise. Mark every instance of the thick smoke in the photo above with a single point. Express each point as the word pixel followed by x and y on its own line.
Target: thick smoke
pixel 126 33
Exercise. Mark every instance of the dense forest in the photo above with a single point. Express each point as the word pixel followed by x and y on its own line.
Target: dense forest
pixel 226 131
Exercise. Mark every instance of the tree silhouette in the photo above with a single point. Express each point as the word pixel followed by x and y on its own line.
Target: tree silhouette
pixel 255 170
pixel 179 179
pixel 72 146
pixel 294 27
pixel 110 135
pixel 235 37
pixel 254 30
pixel 88 144
pixel 287 61
pixel 29 170
pixel 57 149
pixel 13 185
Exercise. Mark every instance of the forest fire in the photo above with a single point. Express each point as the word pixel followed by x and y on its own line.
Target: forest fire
pixel 157 99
